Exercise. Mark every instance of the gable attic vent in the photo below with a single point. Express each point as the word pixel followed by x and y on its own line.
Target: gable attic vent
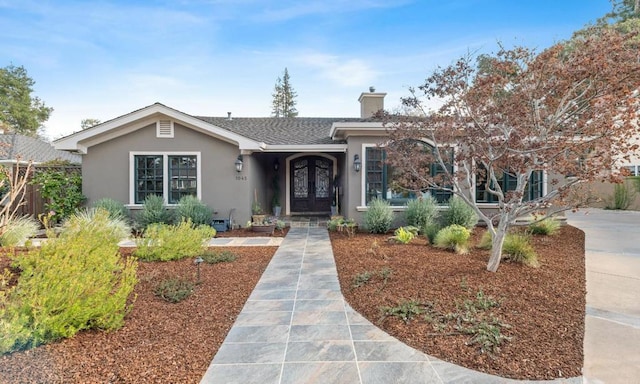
pixel 164 129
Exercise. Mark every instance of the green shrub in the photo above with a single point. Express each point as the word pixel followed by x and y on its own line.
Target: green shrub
pixel 517 248
pixel 215 257
pixel 73 282
pixel 547 227
pixel 430 231
pixel 153 212
pixel 116 209
pixel 174 290
pixel 361 279
pixel 487 334
pixel 116 229
pixel 379 216
pixel 163 242
pixel 405 310
pixel 334 223
pixel 459 213
pixel 17 231
pixel 485 241
pixel 404 235
pixel 623 196
pixel 422 212
pixel 455 237
pixel 191 208
pixel 61 190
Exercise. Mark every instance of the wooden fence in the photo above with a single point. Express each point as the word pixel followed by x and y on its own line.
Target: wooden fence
pixel 34 203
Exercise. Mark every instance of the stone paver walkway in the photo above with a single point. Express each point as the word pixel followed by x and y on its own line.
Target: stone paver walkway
pixel 297 328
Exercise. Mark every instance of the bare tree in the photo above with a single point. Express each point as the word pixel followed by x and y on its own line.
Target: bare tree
pixel 570 110
pixel 13 183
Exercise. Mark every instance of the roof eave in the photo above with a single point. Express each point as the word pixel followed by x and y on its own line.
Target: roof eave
pixel 342 130
pixel 306 148
pixel 81 141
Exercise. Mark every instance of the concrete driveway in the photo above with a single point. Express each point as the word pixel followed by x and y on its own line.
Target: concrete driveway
pixel 612 337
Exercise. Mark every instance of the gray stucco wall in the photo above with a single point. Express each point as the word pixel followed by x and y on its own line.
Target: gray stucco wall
pixel 353 179
pixel 354 182
pixel 105 168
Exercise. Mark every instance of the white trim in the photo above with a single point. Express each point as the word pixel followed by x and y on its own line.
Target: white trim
pixel 363 172
pixel 165 174
pixel 287 167
pixel 357 128
pixel 82 140
pixel 306 148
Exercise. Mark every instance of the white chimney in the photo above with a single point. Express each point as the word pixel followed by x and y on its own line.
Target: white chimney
pixel 371 102
pixel 228 115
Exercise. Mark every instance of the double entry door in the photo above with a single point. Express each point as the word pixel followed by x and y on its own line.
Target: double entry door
pixel 311 184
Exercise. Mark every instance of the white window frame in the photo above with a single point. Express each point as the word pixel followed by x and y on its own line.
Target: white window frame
pixel 165 174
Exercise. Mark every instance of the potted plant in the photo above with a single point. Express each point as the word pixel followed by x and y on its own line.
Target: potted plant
pixel 275 202
pixel 258 215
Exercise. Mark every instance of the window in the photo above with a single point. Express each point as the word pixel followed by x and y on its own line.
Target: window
pixel 183 176
pixel 379 181
pixel 171 176
pixel 149 175
pixel 508 182
pixel 634 170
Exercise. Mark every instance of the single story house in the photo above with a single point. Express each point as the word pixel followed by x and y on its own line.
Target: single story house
pixel 230 162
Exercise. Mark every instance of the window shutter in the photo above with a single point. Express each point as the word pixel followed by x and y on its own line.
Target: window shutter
pixel 164 129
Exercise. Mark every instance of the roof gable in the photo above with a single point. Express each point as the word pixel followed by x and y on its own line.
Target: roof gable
pixel 81 141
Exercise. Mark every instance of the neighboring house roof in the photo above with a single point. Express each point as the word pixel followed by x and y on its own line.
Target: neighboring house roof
pixel 28 148
pixel 282 130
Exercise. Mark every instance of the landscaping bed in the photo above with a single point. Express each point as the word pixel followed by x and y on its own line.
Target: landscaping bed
pixel 247 232
pixel 544 307
pixel 163 342
pixel 160 342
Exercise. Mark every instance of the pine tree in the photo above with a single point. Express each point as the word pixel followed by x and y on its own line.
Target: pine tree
pixel 284 98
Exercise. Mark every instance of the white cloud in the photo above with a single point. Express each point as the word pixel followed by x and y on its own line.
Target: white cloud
pixel 342 71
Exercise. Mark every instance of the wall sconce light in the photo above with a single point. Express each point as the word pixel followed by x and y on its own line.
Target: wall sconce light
pixel 276 165
pixel 239 163
pixel 356 162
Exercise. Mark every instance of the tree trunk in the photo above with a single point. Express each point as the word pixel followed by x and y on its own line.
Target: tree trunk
pixel 496 245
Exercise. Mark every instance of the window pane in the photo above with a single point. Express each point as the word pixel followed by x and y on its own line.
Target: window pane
pixel 182 177
pixel 508 182
pixel 300 179
pixel 148 174
pixel 381 184
pixel 374 178
pixel 322 179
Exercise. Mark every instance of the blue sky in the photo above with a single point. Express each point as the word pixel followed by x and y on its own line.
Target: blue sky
pixel 103 59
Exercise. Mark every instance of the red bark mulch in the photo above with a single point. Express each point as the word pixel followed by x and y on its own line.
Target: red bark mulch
pixel 544 306
pixel 163 342
pixel 160 342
